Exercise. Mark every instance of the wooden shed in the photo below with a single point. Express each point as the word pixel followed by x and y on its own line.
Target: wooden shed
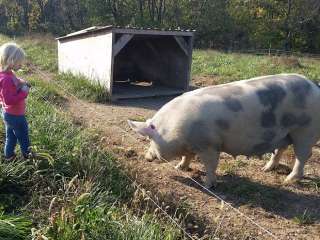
pixel 129 62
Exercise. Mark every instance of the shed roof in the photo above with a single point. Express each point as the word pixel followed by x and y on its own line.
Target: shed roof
pixel 129 30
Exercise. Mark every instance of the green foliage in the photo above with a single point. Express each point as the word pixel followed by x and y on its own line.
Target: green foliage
pixel 234 24
pixel 14 227
pixel 13 184
pixel 304 219
pixel 107 222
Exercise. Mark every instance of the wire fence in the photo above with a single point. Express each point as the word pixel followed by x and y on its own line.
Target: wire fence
pixel 276 52
pixel 211 192
pixel 133 182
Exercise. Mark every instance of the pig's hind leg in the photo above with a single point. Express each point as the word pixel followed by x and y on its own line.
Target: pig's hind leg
pixel 303 142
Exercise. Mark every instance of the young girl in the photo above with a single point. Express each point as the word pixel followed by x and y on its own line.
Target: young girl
pixel 13 92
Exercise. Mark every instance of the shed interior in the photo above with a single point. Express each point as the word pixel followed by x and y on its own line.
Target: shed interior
pixel 151 65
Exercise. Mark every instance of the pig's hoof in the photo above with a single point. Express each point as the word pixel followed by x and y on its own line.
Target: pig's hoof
pixel 148 157
pixel 182 167
pixel 292 179
pixel 210 184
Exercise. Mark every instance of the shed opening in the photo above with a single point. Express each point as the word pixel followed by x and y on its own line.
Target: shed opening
pixel 150 66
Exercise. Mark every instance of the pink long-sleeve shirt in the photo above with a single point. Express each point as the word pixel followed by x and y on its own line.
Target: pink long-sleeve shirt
pixel 12 98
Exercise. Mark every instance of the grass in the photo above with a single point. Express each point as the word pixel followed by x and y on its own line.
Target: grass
pixel 41 50
pixel 304 219
pixel 313 184
pixel 82 88
pixel 73 189
pixel 230 168
pixel 14 227
pixel 232 67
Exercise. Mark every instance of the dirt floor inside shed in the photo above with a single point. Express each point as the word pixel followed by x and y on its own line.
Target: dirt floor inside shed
pixel 282 212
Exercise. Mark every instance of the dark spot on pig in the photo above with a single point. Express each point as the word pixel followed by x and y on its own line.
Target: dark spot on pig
pixel 284 142
pixel 268 119
pixel 303 120
pixel 289 120
pixel 223 124
pixel 267 136
pixel 233 104
pixel 198 136
pixel 300 90
pixel 271 95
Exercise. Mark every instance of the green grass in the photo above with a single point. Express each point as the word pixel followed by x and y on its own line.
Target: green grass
pixel 230 168
pixel 304 219
pixel 232 67
pixel 82 88
pixel 73 189
pixel 14 227
pixel 41 50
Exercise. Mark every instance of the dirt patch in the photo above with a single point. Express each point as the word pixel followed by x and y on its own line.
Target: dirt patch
pixel 203 81
pixel 289 61
pixel 287 212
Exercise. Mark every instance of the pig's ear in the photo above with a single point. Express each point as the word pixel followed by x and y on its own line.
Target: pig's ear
pixel 143 128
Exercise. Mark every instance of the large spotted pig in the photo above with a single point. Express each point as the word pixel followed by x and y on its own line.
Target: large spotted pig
pixel 249 117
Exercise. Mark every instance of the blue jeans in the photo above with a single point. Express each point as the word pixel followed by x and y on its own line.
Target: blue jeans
pixel 16 130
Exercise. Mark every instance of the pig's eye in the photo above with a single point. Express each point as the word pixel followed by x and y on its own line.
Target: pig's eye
pixel 152 126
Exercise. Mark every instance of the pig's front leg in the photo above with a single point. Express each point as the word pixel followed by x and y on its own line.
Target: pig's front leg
pixel 210 159
pixel 184 163
pixel 274 160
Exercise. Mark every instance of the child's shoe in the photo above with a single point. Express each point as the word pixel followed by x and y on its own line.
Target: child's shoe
pixel 31 154
pixel 9 159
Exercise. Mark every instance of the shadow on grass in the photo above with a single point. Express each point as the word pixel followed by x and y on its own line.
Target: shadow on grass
pixel 242 191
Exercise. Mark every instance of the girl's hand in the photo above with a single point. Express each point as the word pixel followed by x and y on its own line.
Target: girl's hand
pixel 28 84
pixel 22 82
pixel 25 88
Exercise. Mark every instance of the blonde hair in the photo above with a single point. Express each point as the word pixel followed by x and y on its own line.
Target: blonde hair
pixel 10 55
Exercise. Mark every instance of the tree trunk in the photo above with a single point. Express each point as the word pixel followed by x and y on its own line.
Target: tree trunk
pixel 25 15
pixel 288 30
pixel 141 8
